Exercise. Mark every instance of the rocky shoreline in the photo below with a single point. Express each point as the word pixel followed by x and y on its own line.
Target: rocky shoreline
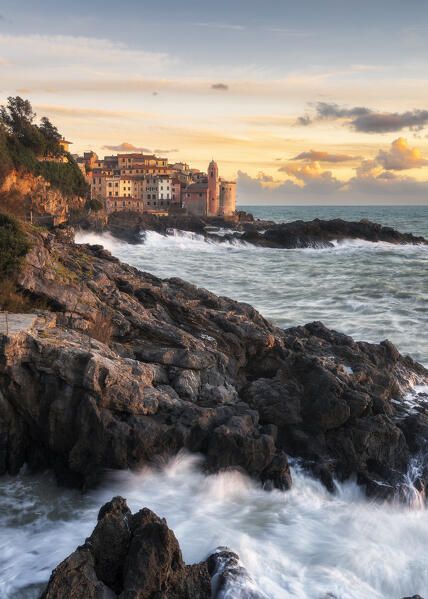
pixel 125 367
pixel 315 234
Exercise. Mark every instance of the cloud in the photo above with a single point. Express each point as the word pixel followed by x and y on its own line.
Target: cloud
pixel 90 113
pixel 157 151
pixel 304 120
pixel 374 186
pixel 391 122
pixel 326 110
pixel 324 157
pixel 77 52
pixel 219 26
pixel 126 147
pixel 289 32
pixel 366 120
pixel 312 175
pixel 400 157
pixel 265 178
pixel 4 62
pixel 220 86
pixel 375 181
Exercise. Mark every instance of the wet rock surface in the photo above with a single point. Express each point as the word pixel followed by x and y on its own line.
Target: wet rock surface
pixel 131 556
pixel 229 577
pixel 316 234
pixel 319 234
pixel 130 367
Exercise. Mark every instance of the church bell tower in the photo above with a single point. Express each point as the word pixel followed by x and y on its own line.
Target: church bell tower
pixel 213 189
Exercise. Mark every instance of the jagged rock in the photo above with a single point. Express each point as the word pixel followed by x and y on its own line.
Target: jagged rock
pixel 131 557
pixel 129 366
pixel 230 578
pixel 320 234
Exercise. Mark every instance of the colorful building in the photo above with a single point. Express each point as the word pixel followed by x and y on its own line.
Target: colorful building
pixel 146 182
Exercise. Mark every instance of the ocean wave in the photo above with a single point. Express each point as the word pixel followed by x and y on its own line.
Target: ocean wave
pixel 302 543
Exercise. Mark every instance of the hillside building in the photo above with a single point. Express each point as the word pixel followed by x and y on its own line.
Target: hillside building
pixel 145 182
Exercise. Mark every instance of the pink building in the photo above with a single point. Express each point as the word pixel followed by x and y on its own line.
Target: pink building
pixel 176 191
pixel 196 199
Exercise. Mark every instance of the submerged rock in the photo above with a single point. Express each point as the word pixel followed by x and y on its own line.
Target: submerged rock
pixel 131 557
pixel 127 367
pixel 230 578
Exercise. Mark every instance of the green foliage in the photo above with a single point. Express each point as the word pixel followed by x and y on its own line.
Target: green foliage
pixel 20 155
pixel 65 176
pixel 18 116
pixel 14 245
pixel 6 164
pixel 95 205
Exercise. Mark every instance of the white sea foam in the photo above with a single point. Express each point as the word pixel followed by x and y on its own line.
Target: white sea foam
pixel 300 544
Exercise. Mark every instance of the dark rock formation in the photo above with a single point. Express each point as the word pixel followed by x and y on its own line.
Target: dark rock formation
pixel 316 234
pixel 128 366
pixel 131 557
pixel 321 233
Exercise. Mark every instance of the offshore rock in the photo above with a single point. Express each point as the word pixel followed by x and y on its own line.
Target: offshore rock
pixel 126 367
pixel 319 234
pixel 130 557
pixel 316 234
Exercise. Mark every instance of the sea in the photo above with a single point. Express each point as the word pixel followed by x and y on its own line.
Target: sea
pixel 305 543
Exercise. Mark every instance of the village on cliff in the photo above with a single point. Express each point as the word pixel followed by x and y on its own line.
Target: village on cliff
pixel 141 182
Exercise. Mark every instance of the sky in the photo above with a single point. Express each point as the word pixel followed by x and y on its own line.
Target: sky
pixel 301 102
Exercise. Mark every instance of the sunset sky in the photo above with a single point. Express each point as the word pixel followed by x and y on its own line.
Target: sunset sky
pixel 302 102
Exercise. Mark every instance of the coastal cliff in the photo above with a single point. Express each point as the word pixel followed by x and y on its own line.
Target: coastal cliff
pixel 23 192
pixel 125 366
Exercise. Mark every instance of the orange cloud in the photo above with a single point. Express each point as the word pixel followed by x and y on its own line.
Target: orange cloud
pixel 400 157
pixel 314 155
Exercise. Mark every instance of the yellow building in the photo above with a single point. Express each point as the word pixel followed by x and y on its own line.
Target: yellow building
pixel 65 145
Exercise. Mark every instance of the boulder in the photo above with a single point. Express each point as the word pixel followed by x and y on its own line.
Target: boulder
pixel 131 557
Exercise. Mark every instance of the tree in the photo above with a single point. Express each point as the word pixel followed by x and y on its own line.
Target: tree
pixel 51 135
pixel 49 130
pixel 18 116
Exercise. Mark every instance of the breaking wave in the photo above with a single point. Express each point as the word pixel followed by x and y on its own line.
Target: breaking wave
pixel 301 544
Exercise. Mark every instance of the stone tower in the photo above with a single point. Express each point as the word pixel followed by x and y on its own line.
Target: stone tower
pixel 213 189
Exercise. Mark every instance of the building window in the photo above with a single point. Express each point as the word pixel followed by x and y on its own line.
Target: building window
pixel 116 193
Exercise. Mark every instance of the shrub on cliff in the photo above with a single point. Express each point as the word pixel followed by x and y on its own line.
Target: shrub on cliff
pixel 14 245
pixel 95 205
pixel 65 176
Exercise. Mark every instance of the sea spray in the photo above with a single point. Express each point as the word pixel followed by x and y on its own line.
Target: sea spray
pixel 301 543
pixel 364 289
